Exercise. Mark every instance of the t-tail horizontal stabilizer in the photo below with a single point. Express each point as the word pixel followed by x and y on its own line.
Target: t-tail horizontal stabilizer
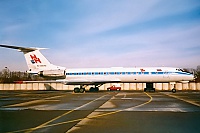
pixel 21 49
pixel 36 62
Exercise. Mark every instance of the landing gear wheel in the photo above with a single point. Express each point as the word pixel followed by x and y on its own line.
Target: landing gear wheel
pixel 174 90
pixel 91 89
pixel 82 90
pixel 76 90
pixel 96 89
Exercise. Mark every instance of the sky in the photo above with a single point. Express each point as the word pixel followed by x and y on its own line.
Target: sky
pixel 102 33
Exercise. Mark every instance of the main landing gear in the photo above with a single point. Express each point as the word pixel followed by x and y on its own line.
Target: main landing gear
pixel 82 89
pixel 94 89
pixel 79 90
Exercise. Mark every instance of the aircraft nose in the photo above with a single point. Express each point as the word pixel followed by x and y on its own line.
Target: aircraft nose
pixel 193 77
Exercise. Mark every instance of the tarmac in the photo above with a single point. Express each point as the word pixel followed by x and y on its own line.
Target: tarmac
pixel 100 112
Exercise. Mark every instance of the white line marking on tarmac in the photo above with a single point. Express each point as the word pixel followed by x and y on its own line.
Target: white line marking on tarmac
pixel 126 98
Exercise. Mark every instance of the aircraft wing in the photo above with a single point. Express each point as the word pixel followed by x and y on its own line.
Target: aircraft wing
pixel 88 82
pixel 76 81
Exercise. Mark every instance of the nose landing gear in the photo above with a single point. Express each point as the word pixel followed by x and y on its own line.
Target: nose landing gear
pixel 174 90
pixel 173 87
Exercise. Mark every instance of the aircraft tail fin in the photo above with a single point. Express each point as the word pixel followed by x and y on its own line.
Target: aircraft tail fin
pixel 35 60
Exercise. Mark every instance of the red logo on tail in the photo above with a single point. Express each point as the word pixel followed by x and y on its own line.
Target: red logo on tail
pixel 35 59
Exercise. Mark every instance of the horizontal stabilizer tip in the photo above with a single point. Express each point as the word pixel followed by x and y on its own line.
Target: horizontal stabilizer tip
pixel 21 49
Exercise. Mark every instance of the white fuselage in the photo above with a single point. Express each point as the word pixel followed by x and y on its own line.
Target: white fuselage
pixel 142 74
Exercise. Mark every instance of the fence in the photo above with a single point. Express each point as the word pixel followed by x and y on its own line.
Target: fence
pixel 125 86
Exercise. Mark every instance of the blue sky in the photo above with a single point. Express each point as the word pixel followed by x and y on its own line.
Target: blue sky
pixel 102 33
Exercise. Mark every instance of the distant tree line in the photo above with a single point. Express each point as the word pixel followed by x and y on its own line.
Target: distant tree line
pixel 197 74
pixel 7 76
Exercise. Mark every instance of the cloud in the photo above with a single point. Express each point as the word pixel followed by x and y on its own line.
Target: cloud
pixel 171 46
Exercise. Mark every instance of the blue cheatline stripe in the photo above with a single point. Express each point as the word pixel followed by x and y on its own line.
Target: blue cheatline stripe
pixel 183 73
pixel 126 73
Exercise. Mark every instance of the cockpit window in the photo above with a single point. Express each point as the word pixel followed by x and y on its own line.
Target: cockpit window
pixel 179 69
pixel 183 70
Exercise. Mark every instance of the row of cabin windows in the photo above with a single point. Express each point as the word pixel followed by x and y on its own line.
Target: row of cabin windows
pixel 115 73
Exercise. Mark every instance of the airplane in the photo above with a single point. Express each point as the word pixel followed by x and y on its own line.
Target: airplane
pixel 96 77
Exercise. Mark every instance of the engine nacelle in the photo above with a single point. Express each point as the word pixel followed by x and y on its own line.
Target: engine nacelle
pixel 52 73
